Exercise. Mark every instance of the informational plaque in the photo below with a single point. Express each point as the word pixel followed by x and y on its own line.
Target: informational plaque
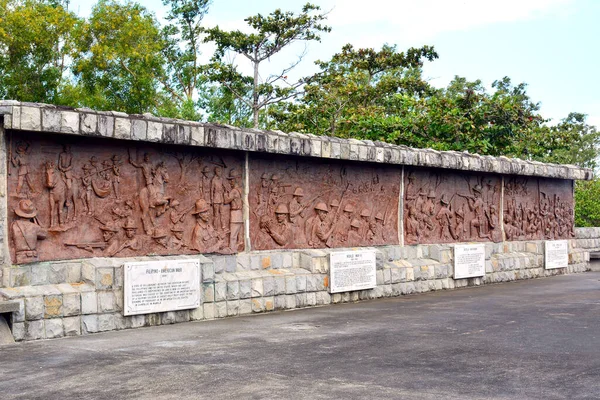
pixel 557 254
pixel 469 260
pixel 352 270
pixel 157 286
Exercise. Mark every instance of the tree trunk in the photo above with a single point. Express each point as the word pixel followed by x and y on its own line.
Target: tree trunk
pixel 255 94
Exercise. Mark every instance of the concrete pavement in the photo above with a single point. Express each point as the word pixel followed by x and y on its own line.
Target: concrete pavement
pixel 536 339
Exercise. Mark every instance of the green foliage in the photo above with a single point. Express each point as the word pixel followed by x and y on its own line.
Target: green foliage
pixel 271 35
pixel 118 58
pixel 182 39
pixel 587 206
pixel 35 41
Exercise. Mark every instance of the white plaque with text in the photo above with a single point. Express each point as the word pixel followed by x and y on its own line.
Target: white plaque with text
pixel 556 254
pixel 352 270
pixel 469 260
pixel 157 286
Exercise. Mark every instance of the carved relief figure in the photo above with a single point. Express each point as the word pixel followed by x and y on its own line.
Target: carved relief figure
pixel 278 229
pixel 21 162
pixel 57 195
pixel 131 240
pixel 86 195
pixel 177 242
pixel 205 238
pixel 205 183
pixel 26 232
pixel 322 227
pixel 354 236
pixel 116 175
pixel 236 220
pixel 217 190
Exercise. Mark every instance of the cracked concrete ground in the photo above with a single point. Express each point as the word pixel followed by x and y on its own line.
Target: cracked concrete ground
pixel 536 339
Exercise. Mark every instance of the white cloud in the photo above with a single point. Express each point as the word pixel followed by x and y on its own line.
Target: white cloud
pixel 424 19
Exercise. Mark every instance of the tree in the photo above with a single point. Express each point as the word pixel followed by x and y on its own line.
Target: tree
pixel 354 90
pixel 271 35
pixel 182 37
pixel 36 37
pixel 118 61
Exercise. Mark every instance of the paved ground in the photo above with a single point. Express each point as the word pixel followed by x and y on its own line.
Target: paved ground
pixel 537 339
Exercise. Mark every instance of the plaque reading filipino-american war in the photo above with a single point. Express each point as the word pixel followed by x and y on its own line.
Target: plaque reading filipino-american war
pixel 157 286
pixel 352 270
pixel 309 203
pixel 72 197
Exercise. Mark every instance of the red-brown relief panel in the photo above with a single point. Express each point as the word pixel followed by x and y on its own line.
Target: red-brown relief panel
pixel 307 203
pixel 538 208
pixel 75 197
pixel 446 206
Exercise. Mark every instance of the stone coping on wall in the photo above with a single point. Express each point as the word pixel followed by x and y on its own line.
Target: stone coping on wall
pixel 111 124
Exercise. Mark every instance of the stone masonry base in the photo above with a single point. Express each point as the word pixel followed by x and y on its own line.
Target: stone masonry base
pixel 73 298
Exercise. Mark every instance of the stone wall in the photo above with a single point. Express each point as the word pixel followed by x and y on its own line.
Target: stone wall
pixel 81 297
pixel 75 288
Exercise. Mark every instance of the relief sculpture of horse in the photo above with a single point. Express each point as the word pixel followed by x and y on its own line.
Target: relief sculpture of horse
pixel 153 197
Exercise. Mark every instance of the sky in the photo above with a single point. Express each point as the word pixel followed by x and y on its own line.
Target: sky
pixel 552 45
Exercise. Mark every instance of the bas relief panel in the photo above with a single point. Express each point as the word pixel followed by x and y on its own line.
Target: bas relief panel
pixel 81 197
pixel 299 203
pixel 538 208
pixel 445 207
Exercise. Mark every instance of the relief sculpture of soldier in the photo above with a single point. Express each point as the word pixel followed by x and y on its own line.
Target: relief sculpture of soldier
pixel 233 197
pixel 26 232
pixel 21 162
pixel 205 237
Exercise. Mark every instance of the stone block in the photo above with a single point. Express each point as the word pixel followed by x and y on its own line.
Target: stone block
pixel 323 298
pixel 300 283
pixel 71 304
pixel 220 291
pixel 279 285
pixel 106 301
pixel 18 331
pixel 269 286
pixel 69 122
pixel 290 301
pixel 72 326
pixel 208 272
pixel 54 328
pixel 269 303
pixel 106 322
pixel 104 278
pixel 19 315
pixel 209 310
pixel 34 330
pixel 233 290
pixel 89 123
pixel 257 288
pixel 31 118
pixel 221 309
pixel 208 292
pixel 106 125
pixel 139 129
pixel 233 308
pixel 245 307
pixel 73 272
pixel 245 289
pixel 89 303
pixel 89 324
pixel 51 119
pixel 39 274
pixel 196 314
pixel 34 308
pixel 122 128
pixel 53 306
